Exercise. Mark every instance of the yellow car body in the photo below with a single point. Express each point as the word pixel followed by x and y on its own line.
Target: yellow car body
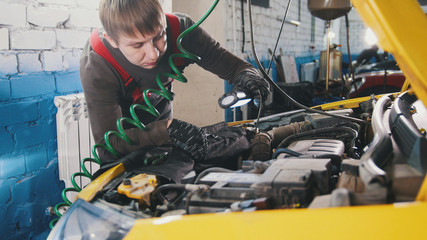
pixel 401 27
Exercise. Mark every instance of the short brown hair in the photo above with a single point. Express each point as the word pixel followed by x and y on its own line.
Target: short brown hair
pixel 124 16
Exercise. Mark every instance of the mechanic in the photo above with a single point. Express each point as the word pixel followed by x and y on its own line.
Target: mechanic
pixel 139 38
pixel 367 54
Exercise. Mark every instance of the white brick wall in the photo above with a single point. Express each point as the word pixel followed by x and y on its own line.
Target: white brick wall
pixel 92 4
pixel 52 61
pixel 29 63
pixel 33 39
pixel 47 16
pixel 72 59
pixel 12 14
pixel 9 65
pixel 4 39
pixel 44 35
pixel 83 18
pixel 14 1
pixel 357 33
pixel 72 38
pixel 58 2
pixel 295 40
pixel 59 29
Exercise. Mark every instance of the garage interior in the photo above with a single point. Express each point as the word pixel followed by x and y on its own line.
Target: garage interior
pixel 45 130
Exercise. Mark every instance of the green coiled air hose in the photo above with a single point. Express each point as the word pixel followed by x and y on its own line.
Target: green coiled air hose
pixel 134 120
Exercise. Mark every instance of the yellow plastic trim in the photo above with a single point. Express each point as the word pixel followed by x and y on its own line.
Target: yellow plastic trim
pixel 139 187
pixel 397 221
pixel 401 29
pixel 405 86
pixel 422 194
pixel 349 103
pixel 96 185
pixel 239 122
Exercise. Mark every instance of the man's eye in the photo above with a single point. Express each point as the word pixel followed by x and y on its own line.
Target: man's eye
pixel 139 45
pixel 160 36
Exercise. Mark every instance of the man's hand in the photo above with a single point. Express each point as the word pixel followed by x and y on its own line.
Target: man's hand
pixel 253 84
pixel 189 138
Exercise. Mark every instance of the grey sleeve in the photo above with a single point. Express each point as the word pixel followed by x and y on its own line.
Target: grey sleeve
pixel 214 57
pixel 102 89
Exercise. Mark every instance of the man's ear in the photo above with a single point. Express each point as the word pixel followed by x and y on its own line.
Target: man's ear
pixel 111 40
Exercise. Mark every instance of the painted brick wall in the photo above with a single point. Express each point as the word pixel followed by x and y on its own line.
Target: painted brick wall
pixel 295 40
pixel 40 46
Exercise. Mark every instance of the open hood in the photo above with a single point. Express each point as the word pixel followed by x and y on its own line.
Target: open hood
pixel 401 29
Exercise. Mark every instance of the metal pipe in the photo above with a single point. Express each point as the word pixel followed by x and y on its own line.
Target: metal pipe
pixel 280 90
pixel 328 58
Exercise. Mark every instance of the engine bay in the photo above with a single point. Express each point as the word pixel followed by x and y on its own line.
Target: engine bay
pixel 298 160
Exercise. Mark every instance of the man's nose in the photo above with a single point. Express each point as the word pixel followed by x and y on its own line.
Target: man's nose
pixel 152 52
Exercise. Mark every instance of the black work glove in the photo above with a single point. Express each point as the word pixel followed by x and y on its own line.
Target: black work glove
pixel 190 138
pixel 252 84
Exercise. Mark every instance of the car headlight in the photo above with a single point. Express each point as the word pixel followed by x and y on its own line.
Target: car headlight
pixel 88 221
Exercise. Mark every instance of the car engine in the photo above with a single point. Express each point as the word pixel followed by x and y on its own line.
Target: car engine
pixel 298 159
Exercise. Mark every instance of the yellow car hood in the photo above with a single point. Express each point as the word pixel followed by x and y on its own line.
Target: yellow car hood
pixel 401 29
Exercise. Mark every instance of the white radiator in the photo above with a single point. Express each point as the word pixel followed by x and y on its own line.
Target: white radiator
pixel 74 137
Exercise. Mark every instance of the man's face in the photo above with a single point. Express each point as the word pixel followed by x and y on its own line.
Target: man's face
pixel 143 51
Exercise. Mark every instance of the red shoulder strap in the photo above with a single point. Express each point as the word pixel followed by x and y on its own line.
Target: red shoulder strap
pixel 175 32
pixel 100 49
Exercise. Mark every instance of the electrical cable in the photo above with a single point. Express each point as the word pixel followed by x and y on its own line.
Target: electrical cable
pixel 187 202
pixel 242 11
pixel 347 27
pixel 281 91
pixel 271 61
pixel 385 71
pixel 171 186
pixel 261 104
pixel 278 36
pixel 208 170
pixel 164 92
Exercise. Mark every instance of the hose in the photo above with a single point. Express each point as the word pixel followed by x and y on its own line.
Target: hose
pixel 172 186
pixel 280 90
pixel 209 170
pixel 285 150
pixel 164 92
